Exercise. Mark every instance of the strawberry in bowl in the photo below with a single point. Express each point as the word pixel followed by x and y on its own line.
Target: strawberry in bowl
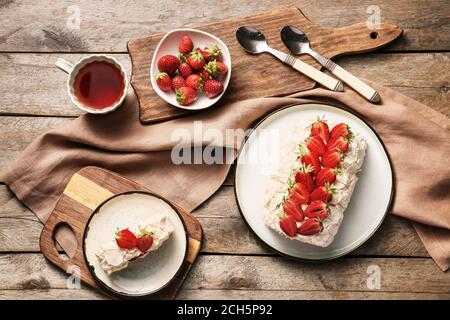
pixel 190 69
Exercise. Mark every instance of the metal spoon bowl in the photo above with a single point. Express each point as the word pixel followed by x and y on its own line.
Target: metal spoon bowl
pixel 251 39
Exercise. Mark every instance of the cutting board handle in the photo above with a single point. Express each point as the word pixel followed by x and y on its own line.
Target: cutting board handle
pixel 48 244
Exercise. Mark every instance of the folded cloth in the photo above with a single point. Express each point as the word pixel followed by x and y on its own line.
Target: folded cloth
pixel 417 139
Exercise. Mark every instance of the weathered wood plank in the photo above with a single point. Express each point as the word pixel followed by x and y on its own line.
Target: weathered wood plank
pixel 29 26
pixel 90 294
pixel 24 93
pixel 224 230
pixel 219 272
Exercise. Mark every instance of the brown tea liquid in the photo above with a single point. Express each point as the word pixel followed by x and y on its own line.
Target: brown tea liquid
pixel 99 84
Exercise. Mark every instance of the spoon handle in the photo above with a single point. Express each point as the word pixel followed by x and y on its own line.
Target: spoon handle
pixel 314 74
pixel 363 89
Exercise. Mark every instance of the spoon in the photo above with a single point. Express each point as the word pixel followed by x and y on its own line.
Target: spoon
pixel 254 42
pixel 298 43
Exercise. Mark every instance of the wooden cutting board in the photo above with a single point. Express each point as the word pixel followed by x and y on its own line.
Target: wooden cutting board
pixel 86 190
pixel 256 75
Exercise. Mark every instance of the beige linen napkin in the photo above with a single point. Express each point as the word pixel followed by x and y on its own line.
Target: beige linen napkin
pixel 417 139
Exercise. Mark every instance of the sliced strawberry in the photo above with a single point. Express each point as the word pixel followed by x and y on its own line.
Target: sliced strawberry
pixel 317 209
pixel 185 45
pixel 125 239
pixel 216 69
pixel 320 129
pixel 342 130
pixel 144 242
pixel 332 158
pixel 298 192
pixel 195 81
pixel 212 88
pixel 186 96
pixel 310 227
pixel 168 63
pixel 292 208
pixel 327 175
pixel 178 82
pixel 323 193
pixel 338 143
pixel 309 159
pixel 316 145
pixel 185 70
pixel 305 176
pixel 196 60
pixel 163 81
pixel 289 225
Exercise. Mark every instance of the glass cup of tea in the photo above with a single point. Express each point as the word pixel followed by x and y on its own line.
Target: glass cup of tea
pixel 97 83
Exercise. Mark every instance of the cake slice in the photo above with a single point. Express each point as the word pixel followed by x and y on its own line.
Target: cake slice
pixel 313 184
pixel 134 242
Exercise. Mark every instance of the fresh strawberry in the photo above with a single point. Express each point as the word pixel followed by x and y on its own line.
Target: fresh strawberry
pixel 168 63
pixel 323 193
pixel 195 81
pixel 205 75
pixel 310 227
pixel 309 159
pixel 298 192
pixel 289 225
pixel 185 70
pixel 178 82
pixel 317 209
pixel 326 175
pixel 212 88
pixel 305 176
pixel 163 81
pixel 125 239
pixel 332 158
pixel 216 69
pixel 292 208
pixel 316 145
pixel 195 60
pixel 320 129
pixel 342 130
pixel 186 96
pixel 144 242
pixel 212 52
pixel 338 143
pixel 185 45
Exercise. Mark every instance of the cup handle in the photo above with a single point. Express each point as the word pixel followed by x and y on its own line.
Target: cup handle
pixel 64 65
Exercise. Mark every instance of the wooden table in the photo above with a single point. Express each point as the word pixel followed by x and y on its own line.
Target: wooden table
pixel 232 264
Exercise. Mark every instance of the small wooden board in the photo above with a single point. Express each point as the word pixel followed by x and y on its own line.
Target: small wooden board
pixel 261 75
pixel 86 190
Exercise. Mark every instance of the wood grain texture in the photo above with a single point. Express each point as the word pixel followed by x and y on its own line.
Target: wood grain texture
pixel 31 27
pixel 223 230
pixel 85 191
pixel 259 79
pixel 253 273
pixel 23 91
pixel 203 294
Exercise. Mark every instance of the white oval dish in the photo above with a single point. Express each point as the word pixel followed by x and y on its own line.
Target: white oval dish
pixel 368 206
pixel 146 275
pixel 169 45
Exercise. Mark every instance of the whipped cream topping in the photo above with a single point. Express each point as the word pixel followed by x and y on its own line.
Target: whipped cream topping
pixel 344 185
pixel 112 258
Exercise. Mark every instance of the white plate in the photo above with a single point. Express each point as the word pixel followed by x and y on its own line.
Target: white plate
pixel 369 203
pixel 169 45
pixel 146 275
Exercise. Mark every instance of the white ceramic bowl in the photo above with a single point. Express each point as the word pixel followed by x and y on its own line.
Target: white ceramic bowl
pixel 169 45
